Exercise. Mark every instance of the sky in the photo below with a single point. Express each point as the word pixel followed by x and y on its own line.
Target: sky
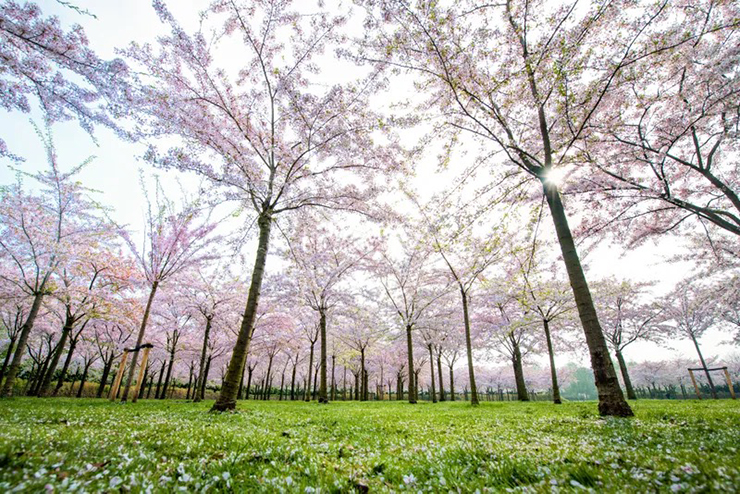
pixel 115 171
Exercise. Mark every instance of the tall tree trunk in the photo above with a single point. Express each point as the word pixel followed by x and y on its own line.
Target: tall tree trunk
pixel 314 393
pixel 704 366
pixel 357 385
pixel 40 376
pixel 521 387
pixel 441 382
pixel 249 382
pixel 282 383
pixel 553 370
pixel 333 382
pixel 139 340
pixel 203 351
pixel 227 397
pixel 190 384
pixel 469 349
pixel 363 375
pixel 6 360
pixel 410 352
pixel 268 379
pixel 292 379
pixel 84 379
pixel 308 374
pixel 45 388
pixel 15 365
pixel 431 369
pixel 625 376
pixel 323 395
pixel 203 383
pixel 67 362
pixel 166 384
pixel 107 364
pixel 144 381
pixel 611 399
pixel 452 385
pixel 158 393
pixel 344 385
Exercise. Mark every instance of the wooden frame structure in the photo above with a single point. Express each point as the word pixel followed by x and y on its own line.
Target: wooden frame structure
pixel 727 379
pixel 122 367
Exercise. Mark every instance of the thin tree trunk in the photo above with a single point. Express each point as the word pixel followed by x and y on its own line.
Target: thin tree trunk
pixel 333 382
pixel 202 390
pixel 521 387
pixel 44 389
pixel 166 385
pixel 139 340
pixel 323 394
pixel 143 382
pixel 157 394
pixel 307 397
pixel 292 379
pixel 227 397
pixel 553 370
pixel 67 362
pixel 363 375
pixel 611 399
pixel 469 348
pixel 104 378
pixel 15 365
pixel 84 379
pixel 625 376
pixel 249 382
pixel 704 366
pixel 441 382
pixel 6 361
pixel 452 385
pixel 431 368
pixel 203 351
pixel 410 352
pixel 314 393
pixel 268 379
pixel 190 384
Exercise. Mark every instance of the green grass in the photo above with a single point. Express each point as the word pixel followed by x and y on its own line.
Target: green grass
pixel 95 445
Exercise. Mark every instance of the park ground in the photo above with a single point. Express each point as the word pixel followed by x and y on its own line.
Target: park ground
pixel 70 445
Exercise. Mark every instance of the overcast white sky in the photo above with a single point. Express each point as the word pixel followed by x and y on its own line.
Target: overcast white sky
pixel 114 172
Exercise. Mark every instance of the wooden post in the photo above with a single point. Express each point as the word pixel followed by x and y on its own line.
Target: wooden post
pixel 144 360
pixel 119 376
pixel 729 383
pixel 693 380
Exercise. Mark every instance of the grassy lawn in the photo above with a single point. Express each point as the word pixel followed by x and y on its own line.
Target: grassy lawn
pixel 95 445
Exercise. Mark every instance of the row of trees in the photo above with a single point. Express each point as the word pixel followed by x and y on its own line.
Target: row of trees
pixel 641 115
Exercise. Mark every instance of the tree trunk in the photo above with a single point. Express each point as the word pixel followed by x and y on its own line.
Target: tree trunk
pixel 625 376
pixel 203 351
pixel 268 379
pixel 357 385
pixel 469 348
pixel 104 378
pixel 611 399
pixel 553 370
pixel 307 396
pixel 227 397
pixel 704 366
pixel 521 387
pixel 323 394
pixel 314 393
pixel 410 351
pixel 190 384
pixel 67 362
pixel 452 385
pixel 441 383
pixel 166 384
pixel 44 389
pixel 15 365
pixel 139 340
pixel 203 383
pixel 158 393
pixel 333 382
pixel 292 380
pixel 363 378
pixel 431 368
pixel 6 361
pixel 249 382
pixel 144 381
pixel 84 379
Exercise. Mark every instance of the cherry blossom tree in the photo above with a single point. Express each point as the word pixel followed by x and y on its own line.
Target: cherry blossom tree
pixel 175 239
pixel 267 132
pixel 526 81
pixel 38 234
pixel 627 319
pixel 691 310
